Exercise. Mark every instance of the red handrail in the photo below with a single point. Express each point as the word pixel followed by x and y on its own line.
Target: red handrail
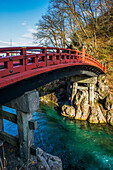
pixel 16 60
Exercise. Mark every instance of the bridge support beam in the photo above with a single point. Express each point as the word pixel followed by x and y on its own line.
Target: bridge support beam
pixel 25 106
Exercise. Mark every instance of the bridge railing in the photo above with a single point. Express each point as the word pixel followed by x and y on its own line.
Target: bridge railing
pixel 4 135
pixel 17 60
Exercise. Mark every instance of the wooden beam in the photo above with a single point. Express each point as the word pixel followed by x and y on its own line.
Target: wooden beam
pixel 8 116
pixel 9 138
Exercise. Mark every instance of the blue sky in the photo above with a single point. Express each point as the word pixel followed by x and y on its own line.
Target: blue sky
pixel 18 19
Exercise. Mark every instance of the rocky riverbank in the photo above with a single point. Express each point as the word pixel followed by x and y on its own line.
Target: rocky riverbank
pixel 55 92
pixel 9 159
pixel 100 112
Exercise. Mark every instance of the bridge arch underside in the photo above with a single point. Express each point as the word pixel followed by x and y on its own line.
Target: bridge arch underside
pixel 15 90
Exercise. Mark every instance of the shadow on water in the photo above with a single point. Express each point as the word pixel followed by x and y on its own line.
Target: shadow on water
pixel 79 144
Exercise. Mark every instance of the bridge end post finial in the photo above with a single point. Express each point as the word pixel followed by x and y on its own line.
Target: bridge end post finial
pixel 102 63
pixel 82 45
pixel 105 67
pixel 83 52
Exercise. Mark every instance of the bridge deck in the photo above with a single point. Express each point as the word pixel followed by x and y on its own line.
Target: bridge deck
pixel 17 63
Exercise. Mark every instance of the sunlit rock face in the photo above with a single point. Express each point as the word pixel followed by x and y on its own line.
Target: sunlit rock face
pixel 102 109
pixel 54 92
pixel 68 111
pixel 96 114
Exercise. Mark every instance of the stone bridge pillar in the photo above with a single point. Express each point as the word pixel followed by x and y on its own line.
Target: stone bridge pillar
pixel 25 105
pixel 83 83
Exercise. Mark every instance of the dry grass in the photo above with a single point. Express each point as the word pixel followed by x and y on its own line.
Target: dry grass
pixel 103 53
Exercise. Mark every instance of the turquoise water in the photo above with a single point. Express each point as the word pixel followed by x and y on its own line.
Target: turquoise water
pixel 80 145
pixel 10 127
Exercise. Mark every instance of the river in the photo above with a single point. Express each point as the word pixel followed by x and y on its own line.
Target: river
pixel 80 145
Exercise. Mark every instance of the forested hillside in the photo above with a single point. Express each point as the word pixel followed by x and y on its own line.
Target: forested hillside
pixel 69 23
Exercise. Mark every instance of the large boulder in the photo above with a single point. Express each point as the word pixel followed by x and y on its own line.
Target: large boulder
pixel 110 117
pixel 80 110
pixel 49 97
pixel 68 111
pixel 96 114
pixel 108 102
pixel 47 161
pixel 102 87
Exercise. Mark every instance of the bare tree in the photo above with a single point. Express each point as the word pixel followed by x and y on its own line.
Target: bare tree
pixel 51 28
pixel 74 21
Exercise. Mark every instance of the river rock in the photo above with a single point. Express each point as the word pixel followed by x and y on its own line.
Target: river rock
pixel 68 111
pixel 49 97
pixel 108 102
pixel 80 110
pixel 110 117
pixel 47 161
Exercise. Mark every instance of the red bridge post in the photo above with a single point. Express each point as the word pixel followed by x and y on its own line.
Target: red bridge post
pixel 23 51
pixel 7 54
pixel 24 62
pixel 45 56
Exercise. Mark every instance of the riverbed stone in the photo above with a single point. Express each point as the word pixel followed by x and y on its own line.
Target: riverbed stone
pixel 47 161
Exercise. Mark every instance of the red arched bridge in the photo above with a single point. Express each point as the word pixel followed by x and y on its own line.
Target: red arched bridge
pixel 27 68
